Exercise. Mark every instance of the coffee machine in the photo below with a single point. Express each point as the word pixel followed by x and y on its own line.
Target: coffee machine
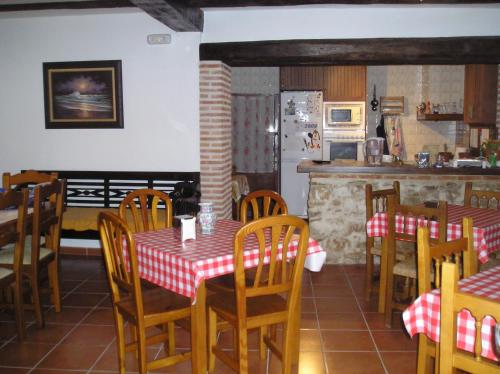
pixel 374 150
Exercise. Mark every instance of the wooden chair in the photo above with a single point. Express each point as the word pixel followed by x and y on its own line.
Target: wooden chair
pixel 261 203
pixel 140 309
pixel 481 199
pixel 430 261
pixel 42 253
pixel 25 179
pixel 376 202
pixel 407 268
pixel 144 207
pixel 452 302
pixel 273 298
pixel 12 277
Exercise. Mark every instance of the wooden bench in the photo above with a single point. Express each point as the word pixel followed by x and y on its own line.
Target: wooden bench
pixel 90 192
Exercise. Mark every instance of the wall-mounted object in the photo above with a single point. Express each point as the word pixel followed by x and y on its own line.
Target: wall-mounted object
pixel 374 102
pixel 83 94
pixel 159 39
pixel 392 104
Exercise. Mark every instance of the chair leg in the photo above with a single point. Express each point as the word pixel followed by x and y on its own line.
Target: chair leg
pixel 212 338
pixel 242 349
pixel 141 350
pixel 423 360
pixel 35 287
pixel 17 288
pixel 262 346
pixel 55 292
pixel 368 272
pixel 288 335
pixel 171 338
pixel 120 337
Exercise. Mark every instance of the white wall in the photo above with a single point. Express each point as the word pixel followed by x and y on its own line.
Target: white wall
pixel 160 94
pixel 350 21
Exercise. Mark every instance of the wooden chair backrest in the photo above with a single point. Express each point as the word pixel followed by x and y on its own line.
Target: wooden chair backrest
pixel 122 270
pixel 145 207
pixel 279 275
pixel 424 216
pixel 29 177
pixel 460 251
pixel 19 200
pixel 452 302
pixel 376 201
pixel 48 209
pixel 262 203
pixel 481 199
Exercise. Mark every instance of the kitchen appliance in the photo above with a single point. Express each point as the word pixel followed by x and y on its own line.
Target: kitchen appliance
pixel 344 130
pixel 344 114
pixel 301 138
pixel 374 150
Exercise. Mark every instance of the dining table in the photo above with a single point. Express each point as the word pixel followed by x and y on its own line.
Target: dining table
pixel 423 315
pixel 486 232
pixel 183 267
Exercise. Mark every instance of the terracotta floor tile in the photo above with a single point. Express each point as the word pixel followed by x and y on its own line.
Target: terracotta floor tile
pixel 309 321
pixel 347 341
pixel 70 285
pixel 90 335
pixel 310 341
pixel 308 306
pixel 23 354
pixel 72 357
pixel 82 299
pixel 311 363
pixel 100 316
pixel 55 371
pixel 70 315
pixel 342 321
pixel 376 321
pixel 329 291
pixel 354 363
pixel 109 360
pixel 11 370
pixel 92 286
pixel 394 341
pixel 400 362
pixel 51 333
pixel 337 305
pixel 9 330
pixel 370 305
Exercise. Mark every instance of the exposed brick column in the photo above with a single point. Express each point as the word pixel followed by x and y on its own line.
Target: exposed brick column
pixel 215 135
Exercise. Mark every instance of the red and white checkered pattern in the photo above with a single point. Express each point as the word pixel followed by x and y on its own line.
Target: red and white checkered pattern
pixel 486 227
pixel 423 316
pixel 181 266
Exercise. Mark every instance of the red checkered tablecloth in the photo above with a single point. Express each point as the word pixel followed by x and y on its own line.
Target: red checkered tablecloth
pixel 165 260
pixel 423 316
pixel 486 227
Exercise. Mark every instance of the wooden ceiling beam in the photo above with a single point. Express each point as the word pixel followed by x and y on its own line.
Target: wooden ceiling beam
pixel 66 5
pixel 173 13
pixel 385 51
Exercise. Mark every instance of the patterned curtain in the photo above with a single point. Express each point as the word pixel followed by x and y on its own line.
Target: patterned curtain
pixel 254 133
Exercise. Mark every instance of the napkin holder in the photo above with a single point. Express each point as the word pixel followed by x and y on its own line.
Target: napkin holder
pixel 187 225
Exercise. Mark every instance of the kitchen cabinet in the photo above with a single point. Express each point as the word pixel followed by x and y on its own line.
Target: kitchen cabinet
pixel 480 95
pixel 338 83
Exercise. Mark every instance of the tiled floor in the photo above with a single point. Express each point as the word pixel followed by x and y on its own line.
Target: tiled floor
pixel 341 332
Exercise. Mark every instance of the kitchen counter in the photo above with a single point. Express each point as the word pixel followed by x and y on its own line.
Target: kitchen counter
pixel 350 166
pixel 336 201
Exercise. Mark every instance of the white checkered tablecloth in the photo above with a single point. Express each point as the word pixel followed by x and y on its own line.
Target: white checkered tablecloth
pixel 423 316
pixel 181 266
pixel 486 227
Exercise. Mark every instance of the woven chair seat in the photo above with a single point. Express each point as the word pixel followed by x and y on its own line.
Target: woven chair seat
pixel 404 250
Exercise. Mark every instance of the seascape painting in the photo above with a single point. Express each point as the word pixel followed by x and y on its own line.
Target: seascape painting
pixel 83 94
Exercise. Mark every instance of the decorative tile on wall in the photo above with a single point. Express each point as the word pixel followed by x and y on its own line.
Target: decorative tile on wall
pixel 438 84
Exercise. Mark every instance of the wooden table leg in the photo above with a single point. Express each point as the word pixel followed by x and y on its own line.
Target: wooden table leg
pixel 383 277
pixel 199 332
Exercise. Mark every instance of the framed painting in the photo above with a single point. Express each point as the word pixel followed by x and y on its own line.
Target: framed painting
pixel 83 95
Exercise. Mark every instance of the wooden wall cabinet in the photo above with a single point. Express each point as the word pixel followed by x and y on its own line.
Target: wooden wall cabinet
pixel 480 95
pixel 338 83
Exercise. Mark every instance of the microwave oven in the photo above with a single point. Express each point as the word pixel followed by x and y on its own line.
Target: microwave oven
pixel 344 114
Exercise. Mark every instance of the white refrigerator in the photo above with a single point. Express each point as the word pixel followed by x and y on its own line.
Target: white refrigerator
pixel 301 119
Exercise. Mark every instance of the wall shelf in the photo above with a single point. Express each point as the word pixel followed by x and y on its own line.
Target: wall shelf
pixel 440 117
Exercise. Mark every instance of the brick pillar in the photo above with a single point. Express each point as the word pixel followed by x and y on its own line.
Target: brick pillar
pixel 215 136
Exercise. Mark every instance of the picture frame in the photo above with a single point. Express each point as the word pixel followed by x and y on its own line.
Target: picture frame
pixel 83 94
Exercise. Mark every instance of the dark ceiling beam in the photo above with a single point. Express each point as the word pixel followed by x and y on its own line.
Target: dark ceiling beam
pixel 175 14
pixel 387 51
pixel 67 5
pixel 247 3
